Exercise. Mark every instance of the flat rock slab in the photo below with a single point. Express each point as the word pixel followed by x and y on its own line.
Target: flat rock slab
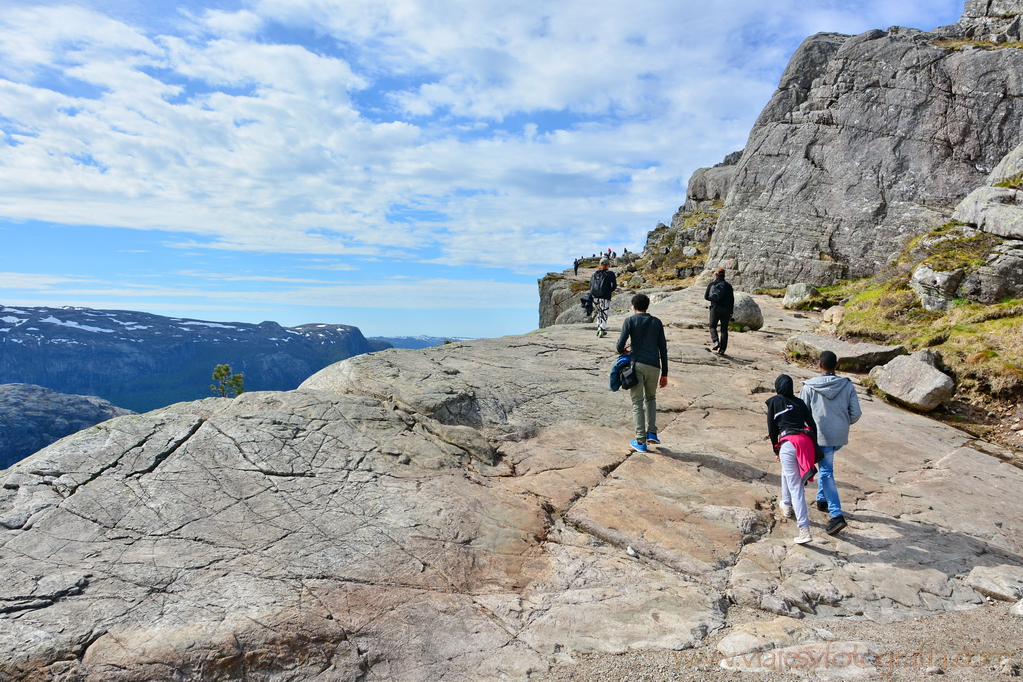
pixel 853 357
pixel 463 513
pixel 780 633
pixel 997 582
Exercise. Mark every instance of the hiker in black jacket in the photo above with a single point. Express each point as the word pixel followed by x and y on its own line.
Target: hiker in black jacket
pixel 722 301
pixel 649 350
pixel 603 282
pixel 787 419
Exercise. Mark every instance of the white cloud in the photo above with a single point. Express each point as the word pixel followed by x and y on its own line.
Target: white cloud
pixel 493 133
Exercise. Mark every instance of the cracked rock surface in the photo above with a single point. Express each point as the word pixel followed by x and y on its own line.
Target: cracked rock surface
pixel 462 513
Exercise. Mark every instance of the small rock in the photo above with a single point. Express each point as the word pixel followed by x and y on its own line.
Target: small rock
pixel 934 670
pixel 796 294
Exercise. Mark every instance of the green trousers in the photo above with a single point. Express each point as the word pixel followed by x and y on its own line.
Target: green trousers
pixel 644 395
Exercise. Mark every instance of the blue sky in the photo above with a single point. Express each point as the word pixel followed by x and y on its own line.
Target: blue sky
pixel 407 166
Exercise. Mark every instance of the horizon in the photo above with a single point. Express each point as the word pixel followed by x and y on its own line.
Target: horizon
pixel 405 170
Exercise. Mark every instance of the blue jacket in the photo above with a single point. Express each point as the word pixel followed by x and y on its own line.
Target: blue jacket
pixel 616 371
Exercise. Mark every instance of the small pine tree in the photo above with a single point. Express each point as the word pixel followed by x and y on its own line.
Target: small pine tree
pixel 228 385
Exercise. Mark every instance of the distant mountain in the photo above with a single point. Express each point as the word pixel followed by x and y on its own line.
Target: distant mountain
pixel 416 341
pixel 32 417
pixel 141 361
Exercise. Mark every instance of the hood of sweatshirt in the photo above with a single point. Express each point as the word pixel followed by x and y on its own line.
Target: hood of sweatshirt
pixel 828 385
pixel 783 386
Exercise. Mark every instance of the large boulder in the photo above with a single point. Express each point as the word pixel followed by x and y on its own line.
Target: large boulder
pixel 855 357
pixel 915 381
pixel 747 312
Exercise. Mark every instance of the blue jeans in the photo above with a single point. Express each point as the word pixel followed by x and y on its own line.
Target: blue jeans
pixel 826 488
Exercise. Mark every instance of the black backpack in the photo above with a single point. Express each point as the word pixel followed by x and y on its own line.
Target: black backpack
pixel 600 285
pixel 717 291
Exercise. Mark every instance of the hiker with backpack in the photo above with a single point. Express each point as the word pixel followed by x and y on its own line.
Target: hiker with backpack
pixel 643 338
pixel 835 406
pixel 792 431
pixel 722 301
pixel 603 283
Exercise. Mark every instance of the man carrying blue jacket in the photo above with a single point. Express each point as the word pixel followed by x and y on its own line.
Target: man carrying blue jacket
pixel 649 351
pixel 833 402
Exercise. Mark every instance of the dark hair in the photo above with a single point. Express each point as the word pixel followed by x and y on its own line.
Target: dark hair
pixel 641 302
pixel 829 361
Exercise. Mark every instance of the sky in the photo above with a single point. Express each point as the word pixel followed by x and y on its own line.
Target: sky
pixel 406 166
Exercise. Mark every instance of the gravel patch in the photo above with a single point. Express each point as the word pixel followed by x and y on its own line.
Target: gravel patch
pixel 979 644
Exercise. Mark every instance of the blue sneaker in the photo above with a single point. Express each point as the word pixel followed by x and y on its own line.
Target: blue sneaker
pixel 637 446
pixel 651 438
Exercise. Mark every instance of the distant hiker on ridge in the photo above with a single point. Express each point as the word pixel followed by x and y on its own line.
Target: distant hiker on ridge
pixel 833 402
pixel 575 264
pixel 787 416
pixel 722 301
pixel 603 282
pixel 649 352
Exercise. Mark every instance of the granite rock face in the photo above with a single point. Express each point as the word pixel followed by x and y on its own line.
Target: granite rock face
pixel 142 361
pixel 869 140
pixel 462 513
pixel 32 417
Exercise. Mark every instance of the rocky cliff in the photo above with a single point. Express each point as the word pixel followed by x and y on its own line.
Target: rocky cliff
pixel 465 512
pixel 869 141
pixel 32 417
pixel 142 361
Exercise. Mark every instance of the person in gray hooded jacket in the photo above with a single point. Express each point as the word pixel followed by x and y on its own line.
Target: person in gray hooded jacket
pixel 833 402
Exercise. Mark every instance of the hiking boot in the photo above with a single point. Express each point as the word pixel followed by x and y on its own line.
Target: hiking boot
pixel 637 446
pixel 803 537
pixel 652 439
pixel 601 333
pixel 836 525
pixel 787 511
pixel 715 348
pixel 822 505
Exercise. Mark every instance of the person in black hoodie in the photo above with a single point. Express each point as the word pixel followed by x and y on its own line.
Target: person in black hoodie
pixel 722 302
pixel 787 420
pixel 649 351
